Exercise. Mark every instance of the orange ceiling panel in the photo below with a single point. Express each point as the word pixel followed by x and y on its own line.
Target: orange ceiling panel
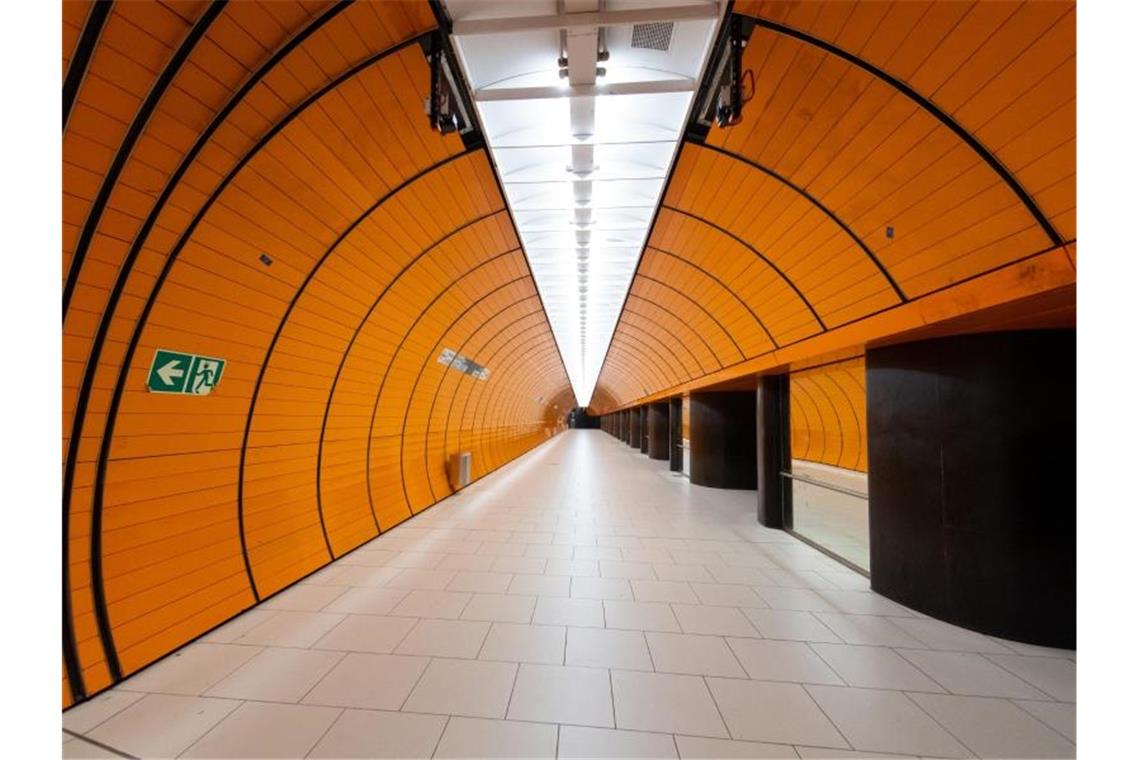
pixel 889 152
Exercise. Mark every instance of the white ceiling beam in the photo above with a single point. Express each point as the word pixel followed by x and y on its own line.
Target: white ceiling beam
pixel 699 11
pixel 585 91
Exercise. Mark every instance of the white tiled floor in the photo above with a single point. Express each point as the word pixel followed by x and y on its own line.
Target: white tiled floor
pixel 584 602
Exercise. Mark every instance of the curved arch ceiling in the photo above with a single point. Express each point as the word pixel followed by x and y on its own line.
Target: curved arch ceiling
pixel 900 164
pixel 258 182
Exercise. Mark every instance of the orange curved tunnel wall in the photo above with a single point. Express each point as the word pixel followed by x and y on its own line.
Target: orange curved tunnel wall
pixel 898 164
pixel 258 182
pixel 828 409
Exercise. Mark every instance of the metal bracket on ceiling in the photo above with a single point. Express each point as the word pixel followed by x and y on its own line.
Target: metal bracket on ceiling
pixel 720 94
pixel 697 11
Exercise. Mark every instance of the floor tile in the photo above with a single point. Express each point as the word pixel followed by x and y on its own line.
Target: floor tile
pixel 540 585
pixel 192 669
pixel 445 638
pixel 995 727
pixel 600 588
pixel 363 576
pixel 466 738
pixel 597 552
pixel 868 630
pixel 368 557
pixel 265 730
pixel 373 734
pixel 1035 650
pixel 585 567
pixel 1055 676
pixel 479 562
pixel 374 681
pixel 697 748
pixel 464 687
pixel 502 607
pixel 640 616
pixel 84 717
pixel 502 549
pixel 718 621
pixel 663 591
pixel 667 571
pixel 781 713
pixel 970 674
pixel 885 721
pixel 607 648
pixel 432 604
pixel 290 629
pixel 727 595
pixel 875 668
pixel 622 569
pixel 531 565
pixel 75 747
pixel 578 742
pixel 417 578
pixel 367 601
pixel 512 642
pixel 577 612
pixel 549 551
pixel 739 575
pixel 665 702
pixel 303 598
pixel 276 675
pixel 483 582
pixel 414 559
pixel 557 694
pixel 366 633
pixel 862 603
pixel 694 655
pixel 790 625
pixel 774 660
pixel 1060 716
pixel 798 599
pixel 934 634
pixel 825 753
pixel 234 629
pixel 161 725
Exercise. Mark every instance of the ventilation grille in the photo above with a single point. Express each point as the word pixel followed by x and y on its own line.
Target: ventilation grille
pixel 656 36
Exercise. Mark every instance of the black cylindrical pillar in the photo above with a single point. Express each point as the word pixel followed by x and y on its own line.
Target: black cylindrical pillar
pixel 658 430
pixel 773 449
pixel 634 428
pixel 625 426
pixel 972 476
pixel 644 425
pixel 722 438
pixel 676 444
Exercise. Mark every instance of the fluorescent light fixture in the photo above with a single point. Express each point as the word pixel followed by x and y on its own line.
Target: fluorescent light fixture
pixel 583 175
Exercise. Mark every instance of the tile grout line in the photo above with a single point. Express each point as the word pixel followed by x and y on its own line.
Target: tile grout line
pixel 1015 675
pixel 907 695
pixel 335 665
pixel 324 733
pixel 827 715
pixel 1014 702
pixel 439 739
pixel 101 745
pixel 712 698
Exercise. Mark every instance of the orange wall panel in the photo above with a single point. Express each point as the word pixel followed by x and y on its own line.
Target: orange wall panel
pixel 295 131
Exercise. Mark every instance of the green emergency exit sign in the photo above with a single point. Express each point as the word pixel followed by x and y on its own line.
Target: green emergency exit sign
pixel 188 374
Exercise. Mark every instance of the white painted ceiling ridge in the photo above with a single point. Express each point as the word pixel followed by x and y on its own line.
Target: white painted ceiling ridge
pixel 583 104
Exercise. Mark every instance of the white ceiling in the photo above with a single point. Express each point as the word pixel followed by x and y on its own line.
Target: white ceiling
pixel 583 168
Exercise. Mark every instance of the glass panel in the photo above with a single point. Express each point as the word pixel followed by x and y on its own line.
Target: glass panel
pixel 829 458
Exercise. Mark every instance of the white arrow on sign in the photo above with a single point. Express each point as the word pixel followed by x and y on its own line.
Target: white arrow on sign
pixel 169 371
